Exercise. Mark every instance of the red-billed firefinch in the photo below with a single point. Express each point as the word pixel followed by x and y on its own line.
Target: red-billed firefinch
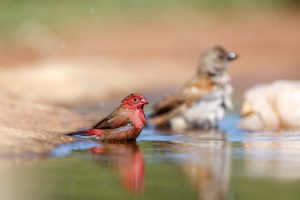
pixel 201 103
pixel 124 123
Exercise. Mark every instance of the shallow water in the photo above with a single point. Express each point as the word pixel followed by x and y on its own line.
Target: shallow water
pixel 194 165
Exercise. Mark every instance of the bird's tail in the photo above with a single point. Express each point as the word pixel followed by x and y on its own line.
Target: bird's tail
pixel 87 133
pixel 79 133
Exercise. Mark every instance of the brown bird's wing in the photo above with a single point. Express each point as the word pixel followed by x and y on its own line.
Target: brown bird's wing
pixel 127 132
pixel 173 105
pixel 169 108
pixel 116 119
pixel 167 104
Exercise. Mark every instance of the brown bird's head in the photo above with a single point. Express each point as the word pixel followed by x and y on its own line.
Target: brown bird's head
pixel 134 101
pixel 215 60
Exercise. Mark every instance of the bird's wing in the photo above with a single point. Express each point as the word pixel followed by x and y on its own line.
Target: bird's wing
pixel 170 107
pixel 122 129
pixel 127 132
pixel 116 119
pixel 167 104
pixel 173 105
pixel 161 118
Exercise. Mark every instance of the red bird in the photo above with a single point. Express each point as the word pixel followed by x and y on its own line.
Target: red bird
pixel 124 123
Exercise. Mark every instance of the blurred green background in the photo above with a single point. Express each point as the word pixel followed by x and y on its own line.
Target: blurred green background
pixel 14 12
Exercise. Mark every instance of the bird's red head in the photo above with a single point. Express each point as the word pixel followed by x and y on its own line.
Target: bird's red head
pixel 134 101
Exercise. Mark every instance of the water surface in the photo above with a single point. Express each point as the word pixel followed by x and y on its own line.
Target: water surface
pixel 194 165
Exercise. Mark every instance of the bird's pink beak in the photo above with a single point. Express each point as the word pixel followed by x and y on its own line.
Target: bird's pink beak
pixel 144 101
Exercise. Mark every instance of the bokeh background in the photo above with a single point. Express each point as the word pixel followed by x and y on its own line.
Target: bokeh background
pixel 66 64
pixel 81 52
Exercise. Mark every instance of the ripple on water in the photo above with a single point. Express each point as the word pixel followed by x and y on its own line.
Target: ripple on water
pixel 212 161
pixel 229 131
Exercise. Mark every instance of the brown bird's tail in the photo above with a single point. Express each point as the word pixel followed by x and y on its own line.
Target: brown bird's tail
pixel 91 133
pixel 79 133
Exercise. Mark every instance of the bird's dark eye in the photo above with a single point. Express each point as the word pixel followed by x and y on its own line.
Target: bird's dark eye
pixel 135 99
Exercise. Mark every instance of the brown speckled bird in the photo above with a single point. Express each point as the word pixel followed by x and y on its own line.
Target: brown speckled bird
pixel 124 123
pixel 202 102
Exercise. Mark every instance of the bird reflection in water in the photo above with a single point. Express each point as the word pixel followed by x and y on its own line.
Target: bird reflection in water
pixel 127 160
pixel 209 170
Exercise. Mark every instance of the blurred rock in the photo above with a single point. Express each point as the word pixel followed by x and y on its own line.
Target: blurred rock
pixel 274 106
pixel 28 130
